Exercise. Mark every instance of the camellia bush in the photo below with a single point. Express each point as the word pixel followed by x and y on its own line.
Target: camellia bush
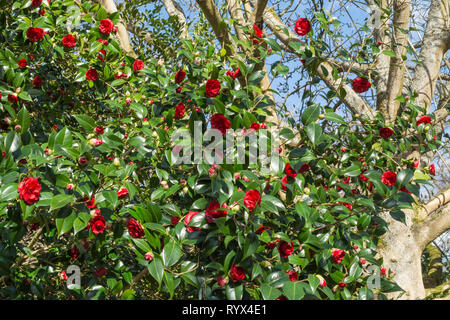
pixel 89 181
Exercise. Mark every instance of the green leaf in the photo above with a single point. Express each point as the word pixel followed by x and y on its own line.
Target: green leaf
pixel 156 269
pixel 234 293
pixel 334 117
pixel 60 201
pixel 404 176
pixel 310 114
pixel 24 119
pixel 313 282
pixel 171 253
pixel 314 133
pixel 269 293
pixel 86 122
pixel 293 290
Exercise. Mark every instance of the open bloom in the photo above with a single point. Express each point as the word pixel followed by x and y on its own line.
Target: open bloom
pixel 29 190
pixel 252 199
pixel 389 178
pixel 302 26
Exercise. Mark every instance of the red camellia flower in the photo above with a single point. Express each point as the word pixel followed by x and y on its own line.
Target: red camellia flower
pixel 180 109
pixel 106 26
pixel 424 119
pixel 285 249
pixel 237 273
pixel 219 122
pixel 99 130
pixel 305 167
pixel 63 276
pixel 37 82
pixel 35 34
pixel 211 213
pixel 138 65
pixel 383 271
pixel 29 190
pixel 342 285
pixel 221 281
pixel 284 183
pixel 362 177
pixel 69 41
pixel 122 193
pixel 293 276
pixel 36 3
pixel 338 255
pixel 302 26
pixel 91 75
pixel 100 272
pixel 187 220
pixel 432 170
pixel 258 33
pixel 252 199
pixel 261 229
pixel 97 224
pixel 389 178
pixel 236 74
pixel 13 98
pixel 174 220
pixel 22 63
pixel 74 253
pixel 148 256
pixel 90 203
pixel 179 76
pixel 289 171
pixel 403 189
pixel 386 132
pixel 135 228
pixel 255 126
pixel 212 88
pixel 361 85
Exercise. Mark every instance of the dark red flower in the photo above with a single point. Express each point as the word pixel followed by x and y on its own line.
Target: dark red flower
pixel 74 253
pixel 135 228
pixel 342 285
pixel 180 109
pixel 252 199
pixel 338 255
pixel 99 130
pixel 212 88
pixel 289 171
pixel 174 220
pixel 284 183
pixel 90 203
pixel 211 213
pixel 389 178
pixel 221 281
pixel 97 224
pixel 35 34
pixel 293 276
pixel 219 122
pixel 236 74
pixel 13 98
pixel 29 190
pixel 179 76
pixel 106 26
pixel 272 244
pixel 138 65
pixel 37 82
pixel 361 85
pixel 305 167
pixel 69 41
pixel 36 3
pixel 403 189
pixel 237 273
pixel 187 220
pixel 386 132
pixel 285 249
pixel 122 193
pixel 100 272
pixel 258 33
pixel 255 126
pixel 91 75
pixel 432 170
pixel 261 229
pixel 22 63
pixel 362 177
pixel 282 297
pixel 302 26
pixel 424 119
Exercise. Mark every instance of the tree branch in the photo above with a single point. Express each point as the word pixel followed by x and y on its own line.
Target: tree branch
pixel 397 66
pixel 174 9
pixel 258 12
pixel 436 42
pixel 435 223
pixel 122 34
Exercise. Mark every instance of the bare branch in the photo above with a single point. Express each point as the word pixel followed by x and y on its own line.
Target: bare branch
pixel 397 68
pixel 122 34
pixel 436 42
pixel 174 9
pixel 258 12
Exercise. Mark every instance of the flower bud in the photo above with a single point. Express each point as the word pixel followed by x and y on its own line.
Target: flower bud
pixel 306 190
pixel 148 256
pixel 116 162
